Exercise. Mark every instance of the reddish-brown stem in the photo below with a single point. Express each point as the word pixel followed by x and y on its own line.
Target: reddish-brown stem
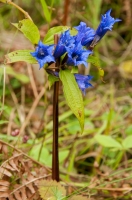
pixel 55 154
pixel 66 8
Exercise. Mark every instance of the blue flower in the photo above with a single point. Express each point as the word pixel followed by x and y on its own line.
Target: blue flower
pixel 85 34
pixel 88 37
pixel 65 41
pixel 105 25
pixel 83 81
pixel 77 55
pixel 43 54
pixel 82 28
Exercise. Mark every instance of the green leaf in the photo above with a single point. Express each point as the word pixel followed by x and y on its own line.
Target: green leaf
pixel 101 72
pixel 3 108
pixel 62 117
pixel 49 37
pixel 3 1
pixel 127 143
pixel 51 189
pixel 46 11
pixel 107 141
pixel 3 122
pixel 73 95
pixel 34 153
pixel 52 79
pixel 73 126
pixel 94 60
pixel 74 70
pixel 21 77
pixel 20 55
pixel 73 31
pixel 63 155
pixel 29 29
pixel 128 130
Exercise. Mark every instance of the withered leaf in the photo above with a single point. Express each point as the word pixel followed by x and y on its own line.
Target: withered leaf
pixel 4 183
pixel 4 171
pixel 4 194
pixel 78 197
pixel 13 164
pixel 51 189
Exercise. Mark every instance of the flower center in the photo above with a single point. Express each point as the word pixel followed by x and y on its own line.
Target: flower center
pixel 41 53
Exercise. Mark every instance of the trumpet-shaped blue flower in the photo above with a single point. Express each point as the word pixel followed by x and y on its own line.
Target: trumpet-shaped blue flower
pixel 65 41
pixel 105 25
pixel 85 34
pixel 82 28
pixel 77 55
pixel 43 54
pixel 83 81
pixel 88 37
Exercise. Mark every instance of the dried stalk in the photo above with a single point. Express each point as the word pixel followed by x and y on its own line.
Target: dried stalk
pixel 19 8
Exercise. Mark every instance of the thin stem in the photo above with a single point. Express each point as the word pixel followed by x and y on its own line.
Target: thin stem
pixel 3 95
pixel 19 8
pixel 55 154
pixel 66 9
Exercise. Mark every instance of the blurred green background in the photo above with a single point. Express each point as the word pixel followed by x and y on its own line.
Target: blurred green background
pixel 106 142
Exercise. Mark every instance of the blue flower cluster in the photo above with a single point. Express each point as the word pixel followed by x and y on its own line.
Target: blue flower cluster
pixel 75 48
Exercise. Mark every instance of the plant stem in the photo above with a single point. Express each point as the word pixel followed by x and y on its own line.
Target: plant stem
pixel 66 9
pixel 55 154
pixel 19 8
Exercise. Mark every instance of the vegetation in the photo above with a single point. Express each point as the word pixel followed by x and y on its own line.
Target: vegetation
pixel 95 164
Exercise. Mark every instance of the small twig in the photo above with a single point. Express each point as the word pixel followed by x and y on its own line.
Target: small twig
pixel 15 99
pixel 11 118
pixel 3 95
pixel 111 189
pixel 19 8
pixel 44 117
pixel 35 103
pixel 35 161
pixel 33 180
pixel 72 150
pixel 23 95
pixel 6 161
pixel 30 72
pixel 13 95
pixel 85 189
pixel 41 147
pixel 127 52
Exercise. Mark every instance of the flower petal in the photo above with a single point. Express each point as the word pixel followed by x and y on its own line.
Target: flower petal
pixel 43 54
pixel 83 81
pixel 106 24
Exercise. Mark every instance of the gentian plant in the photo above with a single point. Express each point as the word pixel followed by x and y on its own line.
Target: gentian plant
pixel 60 53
